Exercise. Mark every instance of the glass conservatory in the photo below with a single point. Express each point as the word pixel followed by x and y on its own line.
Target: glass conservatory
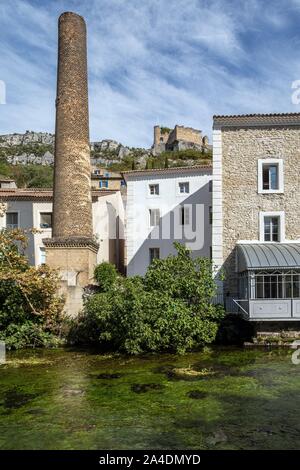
pixel 269 281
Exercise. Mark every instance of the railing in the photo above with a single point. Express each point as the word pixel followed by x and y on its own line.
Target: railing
pixel 218 299
pixel 242 306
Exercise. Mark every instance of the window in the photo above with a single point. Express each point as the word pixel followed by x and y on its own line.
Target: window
pixel 154 189
pixel 42 255
pixel 184 188
pixel 184 215
pixel 271 229
pixel 154 217
pixel 45 220
pixel 277 285
pixel 12 220
pixel 153 254
pixel 210 215
pixel 210 186
pixel 96 172
pixel 270 175
pixel 103 184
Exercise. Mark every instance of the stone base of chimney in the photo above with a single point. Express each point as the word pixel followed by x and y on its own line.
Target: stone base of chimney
pixel 75 258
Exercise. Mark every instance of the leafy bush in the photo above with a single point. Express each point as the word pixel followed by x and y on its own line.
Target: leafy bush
pixel 106 275
pixel 30 309
pixel 168 310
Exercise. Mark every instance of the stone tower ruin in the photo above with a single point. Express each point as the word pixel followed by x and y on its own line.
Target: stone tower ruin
pixel 72 249
pixel 179 138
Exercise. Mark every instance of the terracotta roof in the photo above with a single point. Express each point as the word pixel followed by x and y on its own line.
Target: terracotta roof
pixel 275 119
pixel 178 169
pixel 43 193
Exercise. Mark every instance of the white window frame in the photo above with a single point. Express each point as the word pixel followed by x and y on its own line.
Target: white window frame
pixel 40 220
pixel 12 212
pixel 159 216
pixel 148 190
pixel 281 215
pixel 156 257
pixel 42 249
pixel 270 161
pixel 184 192
pixel 185 214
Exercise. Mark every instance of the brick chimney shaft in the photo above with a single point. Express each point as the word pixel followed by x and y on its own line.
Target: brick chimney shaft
pixel 72 205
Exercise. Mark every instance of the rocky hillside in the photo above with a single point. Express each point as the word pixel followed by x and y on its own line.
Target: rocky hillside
pixel 32 154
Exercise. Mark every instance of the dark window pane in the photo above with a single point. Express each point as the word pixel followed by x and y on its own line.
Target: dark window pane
pixel 12 220
pixel 266 184
pixel 288 287
pixel 153 253
pixel 296 289
pixel 45 220
pixel 280 287
pixel 259 287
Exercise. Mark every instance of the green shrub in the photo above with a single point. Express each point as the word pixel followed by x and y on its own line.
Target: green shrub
pixel 168 310
pixel 106 276
pixel 29 335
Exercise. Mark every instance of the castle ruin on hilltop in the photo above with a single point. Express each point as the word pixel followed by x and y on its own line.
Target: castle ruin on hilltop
pixel 179 138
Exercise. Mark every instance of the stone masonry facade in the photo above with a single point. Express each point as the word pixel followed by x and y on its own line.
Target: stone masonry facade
pixel 241 149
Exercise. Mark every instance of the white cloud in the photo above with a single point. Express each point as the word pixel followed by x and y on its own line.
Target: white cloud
pixel 151 62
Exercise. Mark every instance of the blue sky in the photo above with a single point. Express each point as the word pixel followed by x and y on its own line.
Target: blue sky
pixel 152 62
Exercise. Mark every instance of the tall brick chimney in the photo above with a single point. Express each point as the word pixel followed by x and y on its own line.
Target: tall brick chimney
pixel 72 249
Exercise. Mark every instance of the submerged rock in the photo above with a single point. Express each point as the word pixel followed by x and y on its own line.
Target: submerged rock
pixel 189 373
pixel 143 388
pixel 16 399
pixel 36 411
pixel 73 392
pixel 109 376
pixel 197 394
pixel 217 438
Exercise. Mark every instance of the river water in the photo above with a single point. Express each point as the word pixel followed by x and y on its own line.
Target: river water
pixel 216 399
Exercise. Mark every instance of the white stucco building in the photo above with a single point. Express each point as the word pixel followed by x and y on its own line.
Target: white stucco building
pixel 32 209
pixel 163 206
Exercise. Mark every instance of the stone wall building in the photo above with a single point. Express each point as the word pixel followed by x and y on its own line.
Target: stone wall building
pixel 256 213
pixel 179 138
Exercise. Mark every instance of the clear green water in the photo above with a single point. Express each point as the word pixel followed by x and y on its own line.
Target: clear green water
pixel 59 399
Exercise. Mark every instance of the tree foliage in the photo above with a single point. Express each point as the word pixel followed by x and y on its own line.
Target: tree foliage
pixel 169 309
pixel 28 176
pixel 106 275
pixel 30 309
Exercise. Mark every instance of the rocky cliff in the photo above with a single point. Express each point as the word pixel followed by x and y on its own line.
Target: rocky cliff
pixel 37 148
